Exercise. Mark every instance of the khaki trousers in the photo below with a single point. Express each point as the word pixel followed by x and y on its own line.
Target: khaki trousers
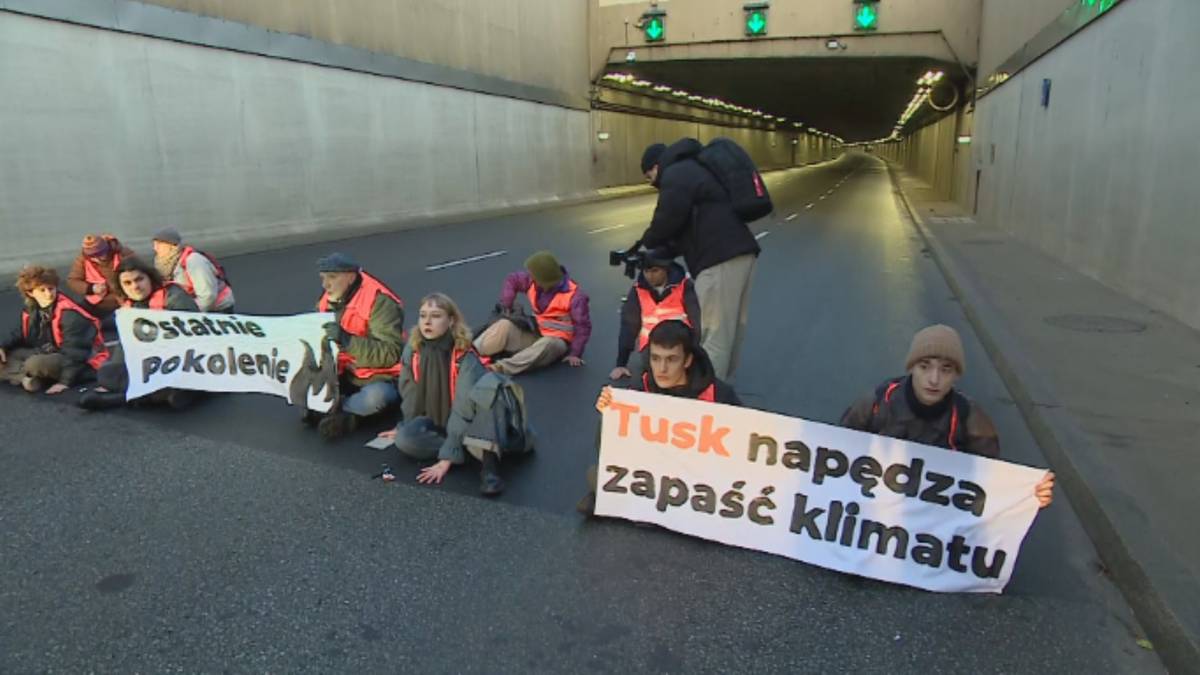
pixel 724 294
pixel 528 349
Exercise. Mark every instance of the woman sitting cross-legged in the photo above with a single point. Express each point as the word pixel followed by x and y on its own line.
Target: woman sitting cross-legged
pixel 452 405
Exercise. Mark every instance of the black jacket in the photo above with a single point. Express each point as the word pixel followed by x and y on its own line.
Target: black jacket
pixel 78 337
pixel 700 376
pixel 694 212
pixel 631 311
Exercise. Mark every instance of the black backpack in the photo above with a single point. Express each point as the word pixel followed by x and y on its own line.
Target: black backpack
pixel 735 171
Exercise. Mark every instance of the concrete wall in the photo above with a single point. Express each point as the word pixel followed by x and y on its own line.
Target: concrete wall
pixel 617 160
pixel 933 154
pixel 707 20
pixel 537 42
pixel 1105 177
pixel 107 131
pixel 1008 24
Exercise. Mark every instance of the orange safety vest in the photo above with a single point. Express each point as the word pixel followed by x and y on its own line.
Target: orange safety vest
pixel 555 320
pixel 456 358
pixel 887 398
pixel 92 274
pixel 64 304
pixel 157 299
pixel 654 313
pixel 709 394
pixel 187 284
pixel 355 318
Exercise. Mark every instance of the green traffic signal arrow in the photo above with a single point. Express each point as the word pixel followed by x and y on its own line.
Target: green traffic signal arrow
pixel 654 29
pixel 756 23
pixel 866 16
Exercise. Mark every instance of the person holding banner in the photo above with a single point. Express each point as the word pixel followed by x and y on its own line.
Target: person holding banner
pixel 451 405
pixel 57 343
pixel 143 288
pixel 93 275
pixel 197 272
pixel 662 291
pixel 560 308
pixel 924 407
pixel 677 367
pixel 369 332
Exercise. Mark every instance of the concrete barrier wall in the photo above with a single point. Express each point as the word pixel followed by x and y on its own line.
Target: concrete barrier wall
pixel 932 153
pixel 617 160
pixel 1104 177
pixel 113 132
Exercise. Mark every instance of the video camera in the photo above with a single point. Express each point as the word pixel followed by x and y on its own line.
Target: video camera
pixel 630 257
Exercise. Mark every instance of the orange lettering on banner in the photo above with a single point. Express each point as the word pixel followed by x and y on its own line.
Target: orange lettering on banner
pixel 682 435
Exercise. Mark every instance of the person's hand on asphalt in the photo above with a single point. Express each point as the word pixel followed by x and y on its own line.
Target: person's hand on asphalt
pixel 434 474
pixel 1044 491
pixel 604 400
pixel 619 372
pixel 56 389
pixel 575 361
pixel 390 434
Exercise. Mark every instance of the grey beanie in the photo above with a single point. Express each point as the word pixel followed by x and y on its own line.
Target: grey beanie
pixel 169 235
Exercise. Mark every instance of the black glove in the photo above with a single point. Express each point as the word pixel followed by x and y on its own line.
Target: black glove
pixel 334 333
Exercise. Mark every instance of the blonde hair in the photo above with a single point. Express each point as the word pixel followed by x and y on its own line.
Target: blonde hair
pixel 458 326
pixel 33 276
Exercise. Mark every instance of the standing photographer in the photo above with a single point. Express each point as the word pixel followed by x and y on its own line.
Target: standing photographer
pixel 695 212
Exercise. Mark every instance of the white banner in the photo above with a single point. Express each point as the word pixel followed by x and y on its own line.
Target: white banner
pixel 228 353
pixel 846 500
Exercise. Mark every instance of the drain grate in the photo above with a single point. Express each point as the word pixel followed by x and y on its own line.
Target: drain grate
pixel 1095 323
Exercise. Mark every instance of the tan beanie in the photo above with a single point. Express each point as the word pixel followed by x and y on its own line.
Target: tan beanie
pixel 939 341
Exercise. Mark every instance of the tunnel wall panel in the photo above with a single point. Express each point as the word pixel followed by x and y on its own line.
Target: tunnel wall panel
pixel 113 132
pixel 1104 178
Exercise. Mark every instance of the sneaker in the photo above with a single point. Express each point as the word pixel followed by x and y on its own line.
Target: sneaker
pixel 490 482
pixel 101 400
pixel 179 399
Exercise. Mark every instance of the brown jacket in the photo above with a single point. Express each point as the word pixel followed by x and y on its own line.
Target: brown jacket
pixel 894 417
pixel 78 283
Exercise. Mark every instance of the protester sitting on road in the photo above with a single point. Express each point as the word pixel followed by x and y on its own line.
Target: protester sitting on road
pixel 924 407
pixel 369 331
pixel 695 212
pixel 451 404
pixel 677 367
pixel 93 275
pixel 662 292
pixel 199 273
pixel 57 344
pixel 560 308
pixel 143 288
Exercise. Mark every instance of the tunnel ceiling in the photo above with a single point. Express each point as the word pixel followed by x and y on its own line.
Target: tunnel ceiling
pixel 855 98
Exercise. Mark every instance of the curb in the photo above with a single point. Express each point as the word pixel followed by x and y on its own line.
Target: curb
pixel 1174 647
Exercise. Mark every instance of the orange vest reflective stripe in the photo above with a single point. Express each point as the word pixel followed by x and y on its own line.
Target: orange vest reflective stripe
pixel 654 313
pixel 187 284
pixel 355 318
pixel 709 394
pixel 92 274
pixel 555 320
pixel 887 398
pixel 65 304
pixel 455 362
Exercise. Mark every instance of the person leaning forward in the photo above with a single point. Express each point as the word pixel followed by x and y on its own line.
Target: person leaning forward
pixel 924 407
pixel 677 367
pixel 452 405
pixel 369 331
pixel 560 308
pixel 197 272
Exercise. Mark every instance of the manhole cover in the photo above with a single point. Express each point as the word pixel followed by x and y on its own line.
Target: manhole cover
pixel 1095 323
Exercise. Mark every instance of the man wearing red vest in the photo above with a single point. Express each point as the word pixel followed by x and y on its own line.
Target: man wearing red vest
pixel 93 275
pixel 57 344
pixel 662 292
pixel 560 309
pixel 677 367
pixel 197 272
pixel 924 407
pixel 369 331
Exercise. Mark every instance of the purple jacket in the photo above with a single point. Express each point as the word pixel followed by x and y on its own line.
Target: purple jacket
pixel 520 282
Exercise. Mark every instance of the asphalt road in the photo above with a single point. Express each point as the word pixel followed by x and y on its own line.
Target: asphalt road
pixel 229 537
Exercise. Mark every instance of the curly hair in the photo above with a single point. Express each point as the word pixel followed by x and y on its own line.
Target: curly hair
pixel 32 276
pixel 459 327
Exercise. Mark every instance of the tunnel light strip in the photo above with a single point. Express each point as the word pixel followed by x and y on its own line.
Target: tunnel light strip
pixel 925 85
